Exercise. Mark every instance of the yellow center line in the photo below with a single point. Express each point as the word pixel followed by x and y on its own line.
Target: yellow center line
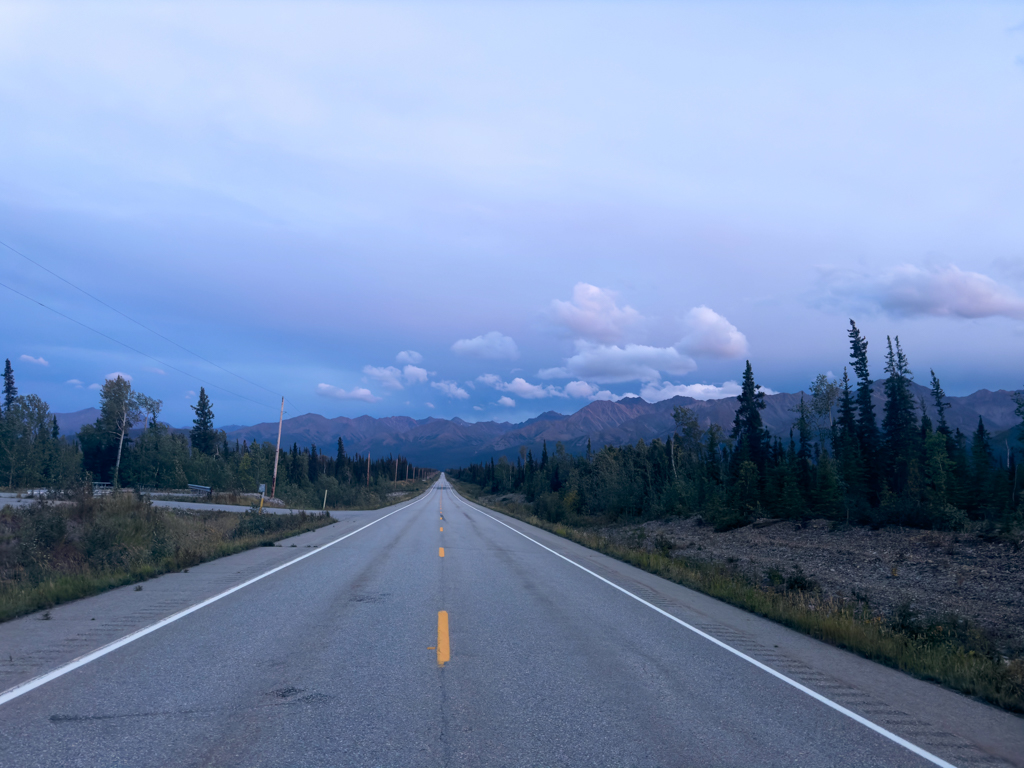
pixel 440 551
pixel 442 527
pixel 443 650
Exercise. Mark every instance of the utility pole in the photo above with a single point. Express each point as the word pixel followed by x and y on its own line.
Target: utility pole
pixel 407 470
pixel 277 455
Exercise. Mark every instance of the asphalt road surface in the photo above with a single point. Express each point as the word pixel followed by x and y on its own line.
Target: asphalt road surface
pixel 437 633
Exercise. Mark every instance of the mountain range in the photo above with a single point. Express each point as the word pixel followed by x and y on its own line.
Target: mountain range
pixel 443 443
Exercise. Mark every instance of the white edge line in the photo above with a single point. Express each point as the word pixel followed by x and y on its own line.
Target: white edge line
pixel 813 694
pixel 29 685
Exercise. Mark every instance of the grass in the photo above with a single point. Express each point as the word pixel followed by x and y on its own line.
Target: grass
pixel 950 653
pixel 54 553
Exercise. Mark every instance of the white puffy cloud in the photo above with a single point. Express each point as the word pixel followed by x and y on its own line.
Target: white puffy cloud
pixel 117 374
pixel 708 334
pixel 490 346
pixel 33 360
pixel 429 405
pixel 408 356
pixel 414 375
pixel 95 386
pixel 478 408
pixel 654 393
pixel 609 363
pixel 359 393
pixel 945 292
pixel 521 387
pixel 507 401
pixel 391 378
pixel 579 389
pixel 451 388
pixel 156 370
pixel 593 314
pixel 75 383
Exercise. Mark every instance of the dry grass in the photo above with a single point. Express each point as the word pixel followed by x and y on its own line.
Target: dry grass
pixel 55 553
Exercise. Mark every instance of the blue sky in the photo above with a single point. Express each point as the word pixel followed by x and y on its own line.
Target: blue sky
pixel 537 203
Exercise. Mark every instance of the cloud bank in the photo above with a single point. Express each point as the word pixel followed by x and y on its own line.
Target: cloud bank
pixel 592 314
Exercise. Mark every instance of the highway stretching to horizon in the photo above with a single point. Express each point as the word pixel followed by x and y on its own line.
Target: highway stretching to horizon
pixel 440 633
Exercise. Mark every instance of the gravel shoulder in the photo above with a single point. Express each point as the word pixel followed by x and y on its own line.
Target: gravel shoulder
pixel 933 573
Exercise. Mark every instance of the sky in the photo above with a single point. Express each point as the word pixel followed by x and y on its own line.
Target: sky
pixel 489 210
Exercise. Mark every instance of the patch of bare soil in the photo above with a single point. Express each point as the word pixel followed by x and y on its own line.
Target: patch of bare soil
pixel 935 573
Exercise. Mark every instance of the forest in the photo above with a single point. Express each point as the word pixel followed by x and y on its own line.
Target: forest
pixel 128 446
pixel 841 461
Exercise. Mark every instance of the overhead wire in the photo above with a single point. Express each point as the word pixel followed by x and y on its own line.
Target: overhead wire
pixel 136 351
pixel 138 323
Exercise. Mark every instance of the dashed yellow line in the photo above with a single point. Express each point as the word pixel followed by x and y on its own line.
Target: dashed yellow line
pixel 443 649
pixel 440 551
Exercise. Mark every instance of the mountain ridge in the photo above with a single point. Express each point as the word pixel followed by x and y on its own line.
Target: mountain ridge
pixel 452 442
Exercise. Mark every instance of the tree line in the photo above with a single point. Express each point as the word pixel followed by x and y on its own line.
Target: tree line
pixel 128 446
pixel 839 462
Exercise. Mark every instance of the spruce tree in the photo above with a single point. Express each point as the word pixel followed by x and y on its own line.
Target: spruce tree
pixel 939 399
pixel 314 464
pixel 748 427
pixel 203 435
pixel 867 426
pixel 10 391
pixel 900 421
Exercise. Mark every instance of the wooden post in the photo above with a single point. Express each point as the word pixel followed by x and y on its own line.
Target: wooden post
pixel 277 456
pixel 324 509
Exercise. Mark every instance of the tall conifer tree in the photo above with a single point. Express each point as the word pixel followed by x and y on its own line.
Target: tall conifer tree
pixel 203 435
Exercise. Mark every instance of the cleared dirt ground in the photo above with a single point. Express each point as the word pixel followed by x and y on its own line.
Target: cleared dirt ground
pixel 933 573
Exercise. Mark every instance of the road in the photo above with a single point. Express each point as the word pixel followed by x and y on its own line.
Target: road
pixel 437 633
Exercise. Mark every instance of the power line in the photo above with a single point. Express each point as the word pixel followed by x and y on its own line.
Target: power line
pixel 140 324
pixel 133 349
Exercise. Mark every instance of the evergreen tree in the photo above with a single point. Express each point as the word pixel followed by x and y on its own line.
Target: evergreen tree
pixel 981 469
pixel 10 391
pixel 867 426
pixel 900 421
pixel 203 435
pixel 748 427
pixel 314 465
pixel 939 399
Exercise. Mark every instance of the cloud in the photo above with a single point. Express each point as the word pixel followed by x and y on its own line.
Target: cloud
pixel 34 360
pixel 75 383
pixel 477 408
pixel 609 364
pixel 450 388
pixel 430 405
pixel 593 314
pixel 490 346
pixel 359 393
pixel 414 375
pixel 113 376
pixel 392 378
pixel 507 401
pixel 410 357
pixel 708 334
pixel 156 370
pixel 580 389
pixel 654 393
pixel 521 387
pixel 910 291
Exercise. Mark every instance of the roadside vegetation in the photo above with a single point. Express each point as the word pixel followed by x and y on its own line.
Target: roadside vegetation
pixel 52 553
pixel 946 651
pixel 128 446
pixel 840 462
